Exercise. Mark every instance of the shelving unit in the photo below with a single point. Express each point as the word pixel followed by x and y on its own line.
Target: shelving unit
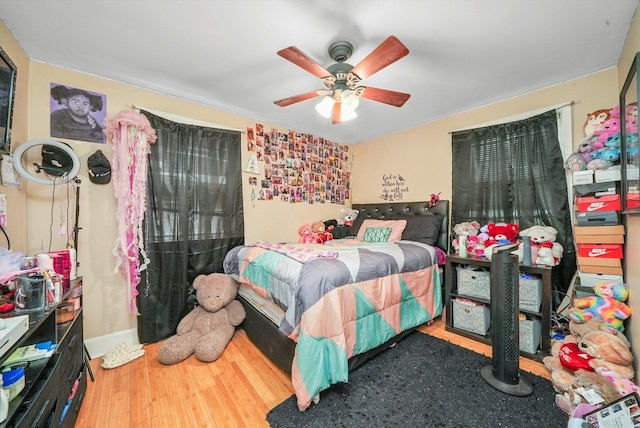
pixel 54 386
pixel 451 292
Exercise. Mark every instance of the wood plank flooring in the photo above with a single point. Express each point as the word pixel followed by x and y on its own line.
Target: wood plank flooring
pixel 237 390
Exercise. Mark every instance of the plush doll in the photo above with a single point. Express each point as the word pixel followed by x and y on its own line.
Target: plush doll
pixel 543 237
pixel 595 121
pixel 631 118
pixel 306 235
pixel 209 327
pixel 610 128
pixel 321 234
pixel 347 216
pixel 499 234
pixel 468 229
pixel 579 359
pixel 586 150
pixel 582 155
pixel 607 306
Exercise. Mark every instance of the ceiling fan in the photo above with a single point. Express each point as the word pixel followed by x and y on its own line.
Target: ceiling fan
pixel 342 93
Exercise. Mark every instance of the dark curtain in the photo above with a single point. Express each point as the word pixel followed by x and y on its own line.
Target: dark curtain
pixel 514 173
pixel 194 216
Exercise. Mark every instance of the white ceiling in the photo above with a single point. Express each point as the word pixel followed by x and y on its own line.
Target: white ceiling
pixel 222 53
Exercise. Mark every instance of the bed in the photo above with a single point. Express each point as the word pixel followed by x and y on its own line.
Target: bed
pixel 319 311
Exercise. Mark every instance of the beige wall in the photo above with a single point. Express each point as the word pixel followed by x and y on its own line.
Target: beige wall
pixel 422 155
pixel 16 199
pixel 30 209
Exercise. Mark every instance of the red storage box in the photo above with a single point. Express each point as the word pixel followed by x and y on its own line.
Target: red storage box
pixel 633 200
pixel 599 203
pixel 606 251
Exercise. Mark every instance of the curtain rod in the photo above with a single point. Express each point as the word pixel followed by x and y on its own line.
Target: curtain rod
pixel 184 119
pixel 523 115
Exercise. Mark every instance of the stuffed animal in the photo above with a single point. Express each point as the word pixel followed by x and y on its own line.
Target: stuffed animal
pixel 209 327
pixel 582 155
pixel 595 121
pixel 543 237
pixel 468 229
pixel 322 235
pixel 347 217
pixel 306 235
pixel 579 360
pixel 607 306
pixel 499 234
pixel 631 118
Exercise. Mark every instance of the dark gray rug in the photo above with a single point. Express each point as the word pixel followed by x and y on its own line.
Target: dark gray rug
pixel 424 382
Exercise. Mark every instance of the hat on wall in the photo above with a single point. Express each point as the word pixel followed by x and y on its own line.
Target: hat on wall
pixel 99 168
pixel 56 161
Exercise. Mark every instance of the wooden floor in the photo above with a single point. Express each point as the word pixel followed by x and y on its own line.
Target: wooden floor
pixel 237 390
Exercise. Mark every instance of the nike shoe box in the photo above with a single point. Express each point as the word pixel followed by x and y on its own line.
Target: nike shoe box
pixel 598 203
pixel 598 218
pixel 600 251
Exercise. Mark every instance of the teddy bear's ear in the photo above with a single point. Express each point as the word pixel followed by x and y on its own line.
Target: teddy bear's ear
pixel 198 281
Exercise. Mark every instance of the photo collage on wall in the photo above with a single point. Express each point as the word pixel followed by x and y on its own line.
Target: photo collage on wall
pixel 299 168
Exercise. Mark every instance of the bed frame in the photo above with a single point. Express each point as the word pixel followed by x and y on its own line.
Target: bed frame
pixel 279 348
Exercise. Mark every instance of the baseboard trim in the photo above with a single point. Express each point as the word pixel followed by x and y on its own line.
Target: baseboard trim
pixel 98 346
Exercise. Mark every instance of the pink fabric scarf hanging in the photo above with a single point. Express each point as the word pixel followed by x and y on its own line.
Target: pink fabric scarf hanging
pixel 130 133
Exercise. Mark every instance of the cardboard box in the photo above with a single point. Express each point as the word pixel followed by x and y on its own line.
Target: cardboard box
pixel 610 174
pixel 599 234
pixel 598 203
pixel 600 251
pixel 583 177
pixel 598 218
pixel 600 269
pixel 592 279
pixel 633 173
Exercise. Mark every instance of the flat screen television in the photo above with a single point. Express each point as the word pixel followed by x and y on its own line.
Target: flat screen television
pixel 7 96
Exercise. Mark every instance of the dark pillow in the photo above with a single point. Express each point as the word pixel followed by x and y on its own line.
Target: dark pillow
pixel 421 228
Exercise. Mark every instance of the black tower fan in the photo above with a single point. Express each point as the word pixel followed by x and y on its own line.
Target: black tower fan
pixel 504 372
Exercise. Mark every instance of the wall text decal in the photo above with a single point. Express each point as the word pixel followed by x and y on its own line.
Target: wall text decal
pixel 393 187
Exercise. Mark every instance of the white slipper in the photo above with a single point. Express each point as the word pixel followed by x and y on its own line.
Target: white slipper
pixel 120 355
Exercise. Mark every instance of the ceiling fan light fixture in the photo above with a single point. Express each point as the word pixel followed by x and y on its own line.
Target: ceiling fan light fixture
pixel 347 114
pixel 325 106
pixel 350 100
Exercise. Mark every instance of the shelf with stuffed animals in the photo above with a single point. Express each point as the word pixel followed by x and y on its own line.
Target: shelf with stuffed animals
pixel 595 164
pixel 467 282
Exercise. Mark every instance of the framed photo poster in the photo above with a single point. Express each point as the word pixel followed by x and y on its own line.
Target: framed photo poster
pixel 629 157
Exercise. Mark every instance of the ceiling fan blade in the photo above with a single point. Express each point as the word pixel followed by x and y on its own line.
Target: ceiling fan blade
pixel 301 97
pixel 302 60
pixel 386 96
pixel 386 53
pixel 336 113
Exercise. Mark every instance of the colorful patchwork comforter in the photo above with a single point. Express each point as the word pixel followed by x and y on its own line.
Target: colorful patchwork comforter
pixel 341 299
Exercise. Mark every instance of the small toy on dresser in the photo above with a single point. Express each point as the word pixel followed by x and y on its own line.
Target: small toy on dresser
pixel 469 230
pixel 544 248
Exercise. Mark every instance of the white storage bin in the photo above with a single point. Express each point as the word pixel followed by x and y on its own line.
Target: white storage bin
pixel 530 331
pixel 474 282
pixel 592 279
pixel 530 293
pixel 475 318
